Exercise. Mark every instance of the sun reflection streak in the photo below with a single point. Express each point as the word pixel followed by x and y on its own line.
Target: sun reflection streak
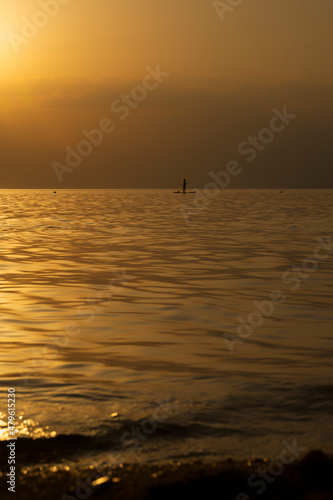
pixel 25 427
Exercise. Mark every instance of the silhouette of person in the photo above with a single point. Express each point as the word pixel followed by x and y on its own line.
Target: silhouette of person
pixel 184 185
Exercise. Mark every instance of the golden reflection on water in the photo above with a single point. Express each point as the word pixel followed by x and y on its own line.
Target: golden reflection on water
pixel 74 334
pixel 25 427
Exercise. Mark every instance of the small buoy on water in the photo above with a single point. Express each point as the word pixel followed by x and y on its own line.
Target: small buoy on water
pixel 54 192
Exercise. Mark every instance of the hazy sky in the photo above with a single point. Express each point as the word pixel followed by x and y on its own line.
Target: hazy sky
pixel 222 75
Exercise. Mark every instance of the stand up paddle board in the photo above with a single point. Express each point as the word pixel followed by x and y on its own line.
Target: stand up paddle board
pixel 183 191
pixel 186 192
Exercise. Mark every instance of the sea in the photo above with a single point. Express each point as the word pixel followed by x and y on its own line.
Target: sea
pixel 144 326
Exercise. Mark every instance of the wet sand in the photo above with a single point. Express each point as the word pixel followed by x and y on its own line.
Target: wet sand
pixel 309 479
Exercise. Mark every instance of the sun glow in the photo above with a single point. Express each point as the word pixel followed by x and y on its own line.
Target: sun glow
pixel 3 37
pixel 7 54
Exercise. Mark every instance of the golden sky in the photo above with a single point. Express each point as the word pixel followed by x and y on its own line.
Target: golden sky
pixel 65 62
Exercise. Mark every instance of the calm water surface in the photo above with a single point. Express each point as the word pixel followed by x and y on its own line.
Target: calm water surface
pixel 111 303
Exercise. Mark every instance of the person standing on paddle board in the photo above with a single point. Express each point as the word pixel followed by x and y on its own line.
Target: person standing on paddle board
pixel 184 185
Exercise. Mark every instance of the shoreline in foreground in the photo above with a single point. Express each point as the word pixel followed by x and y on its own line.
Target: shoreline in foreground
pixel 307 479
